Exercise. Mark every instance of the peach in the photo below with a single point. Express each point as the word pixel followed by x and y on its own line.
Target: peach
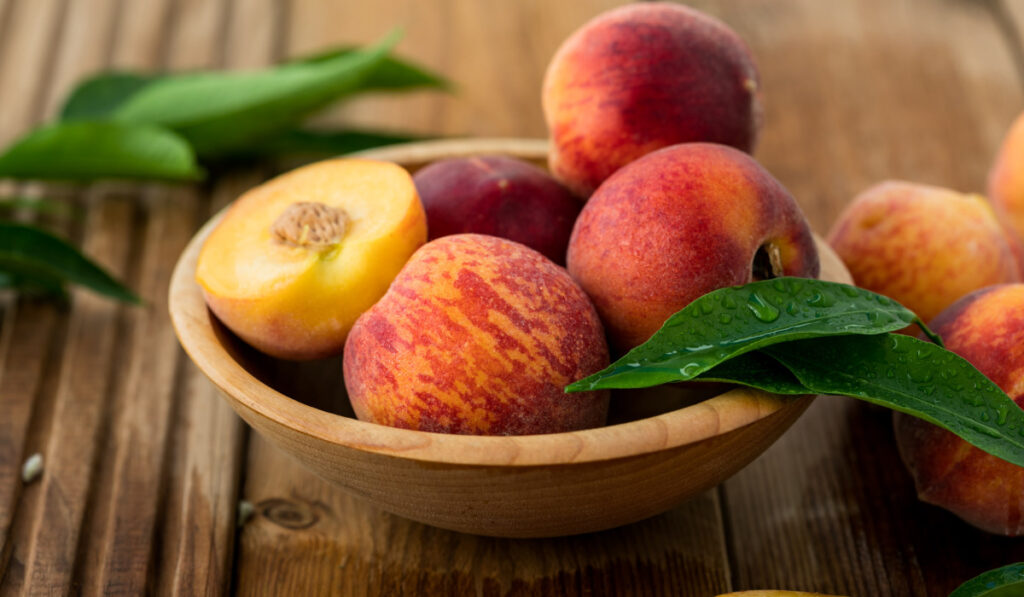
pixel 677 224
pixel 921 245
pixel 642 77
pixel 477 335
pixel 1006 178
pixel 775 594
pixel 296 260
pixel 500 196
pixel 986 328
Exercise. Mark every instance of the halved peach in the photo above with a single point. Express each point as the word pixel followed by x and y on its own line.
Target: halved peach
pixel 296 260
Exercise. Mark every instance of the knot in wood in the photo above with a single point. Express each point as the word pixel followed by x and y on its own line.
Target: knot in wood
pixel 288 514
pixel 310 225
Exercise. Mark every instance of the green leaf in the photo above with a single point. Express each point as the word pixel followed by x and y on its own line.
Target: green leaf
pixel 39 284
pixel 392 74
pixel 97 97
pixel 221 112
pixel 326 143
pixel 911 376
pixel 757 370
pixel 731 321
pixel 91 150
pixel 1007 581
pixel 28 253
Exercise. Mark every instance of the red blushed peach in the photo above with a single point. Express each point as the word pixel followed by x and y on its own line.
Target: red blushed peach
pixel 1006 178
pixel 986 328
pixel 642 77
pixel 921 245
pixel 677 224
pixel 477 335
pixel 499 196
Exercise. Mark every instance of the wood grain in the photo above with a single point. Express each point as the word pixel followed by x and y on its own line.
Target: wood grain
pixel 855 92
pixel 858 93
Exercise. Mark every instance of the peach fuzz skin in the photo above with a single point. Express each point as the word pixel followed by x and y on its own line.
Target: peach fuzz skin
pixel 986 328
pixel 298 301
pixel 500 196
pixel 477 335
pixel 642 77
pixel 677 224
pixel 921 245
pixel 1006 179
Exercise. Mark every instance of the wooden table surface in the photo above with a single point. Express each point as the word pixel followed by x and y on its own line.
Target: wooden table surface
pixel 145 465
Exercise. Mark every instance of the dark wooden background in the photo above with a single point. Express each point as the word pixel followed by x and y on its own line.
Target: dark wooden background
pixel 144 464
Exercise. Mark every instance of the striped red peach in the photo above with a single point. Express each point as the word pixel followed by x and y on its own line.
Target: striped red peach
pixel 477 335
pixel 986 328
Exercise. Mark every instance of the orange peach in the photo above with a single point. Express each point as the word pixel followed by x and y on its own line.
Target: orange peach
pixel 986 328
pixel 642 77
pixel 677 224
pixel 1006 178
pixel 477 335
pixel 296 260
pixel 921 245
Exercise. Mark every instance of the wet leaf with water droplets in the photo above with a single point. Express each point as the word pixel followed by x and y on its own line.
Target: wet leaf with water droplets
pixel 732 321
pixel 985 417
pixel 1007 581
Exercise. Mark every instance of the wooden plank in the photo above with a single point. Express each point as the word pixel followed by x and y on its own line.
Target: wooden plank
pixel 856 93
pixel 306 536
pixel 31 71
pixel 80 411
pixel 126 521
pixel 198 522
pixel 198 527
pixel 26 55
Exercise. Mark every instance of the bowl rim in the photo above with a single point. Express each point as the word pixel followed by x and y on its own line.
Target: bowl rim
pixel 193 324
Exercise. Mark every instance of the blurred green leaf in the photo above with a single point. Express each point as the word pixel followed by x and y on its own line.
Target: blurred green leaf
pixel 316 143
pixel 1007 581
pixel 92 150
pixel 391 74
pixel 99 96
pixel 29 255
pixel 222 112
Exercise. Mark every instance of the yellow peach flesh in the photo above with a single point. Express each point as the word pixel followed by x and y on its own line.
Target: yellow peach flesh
pixel 299 301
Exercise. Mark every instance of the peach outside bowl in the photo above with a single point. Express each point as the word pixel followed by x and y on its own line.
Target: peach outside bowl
pixel 522 486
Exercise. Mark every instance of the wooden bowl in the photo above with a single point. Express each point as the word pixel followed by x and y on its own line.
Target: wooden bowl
pixel 524 486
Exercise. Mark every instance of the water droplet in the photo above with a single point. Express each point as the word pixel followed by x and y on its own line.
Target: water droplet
pixel 761 308
pixel 780 285
pixel 884 301
pixel 872 316
pixel 1002 411
pixel 724 318
pixel 792 308
pixel 890 373
pixel 632 364
pixel 689 369
pixel 728 302
pixel 821 300
pixel 919 376
pixel 706 307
